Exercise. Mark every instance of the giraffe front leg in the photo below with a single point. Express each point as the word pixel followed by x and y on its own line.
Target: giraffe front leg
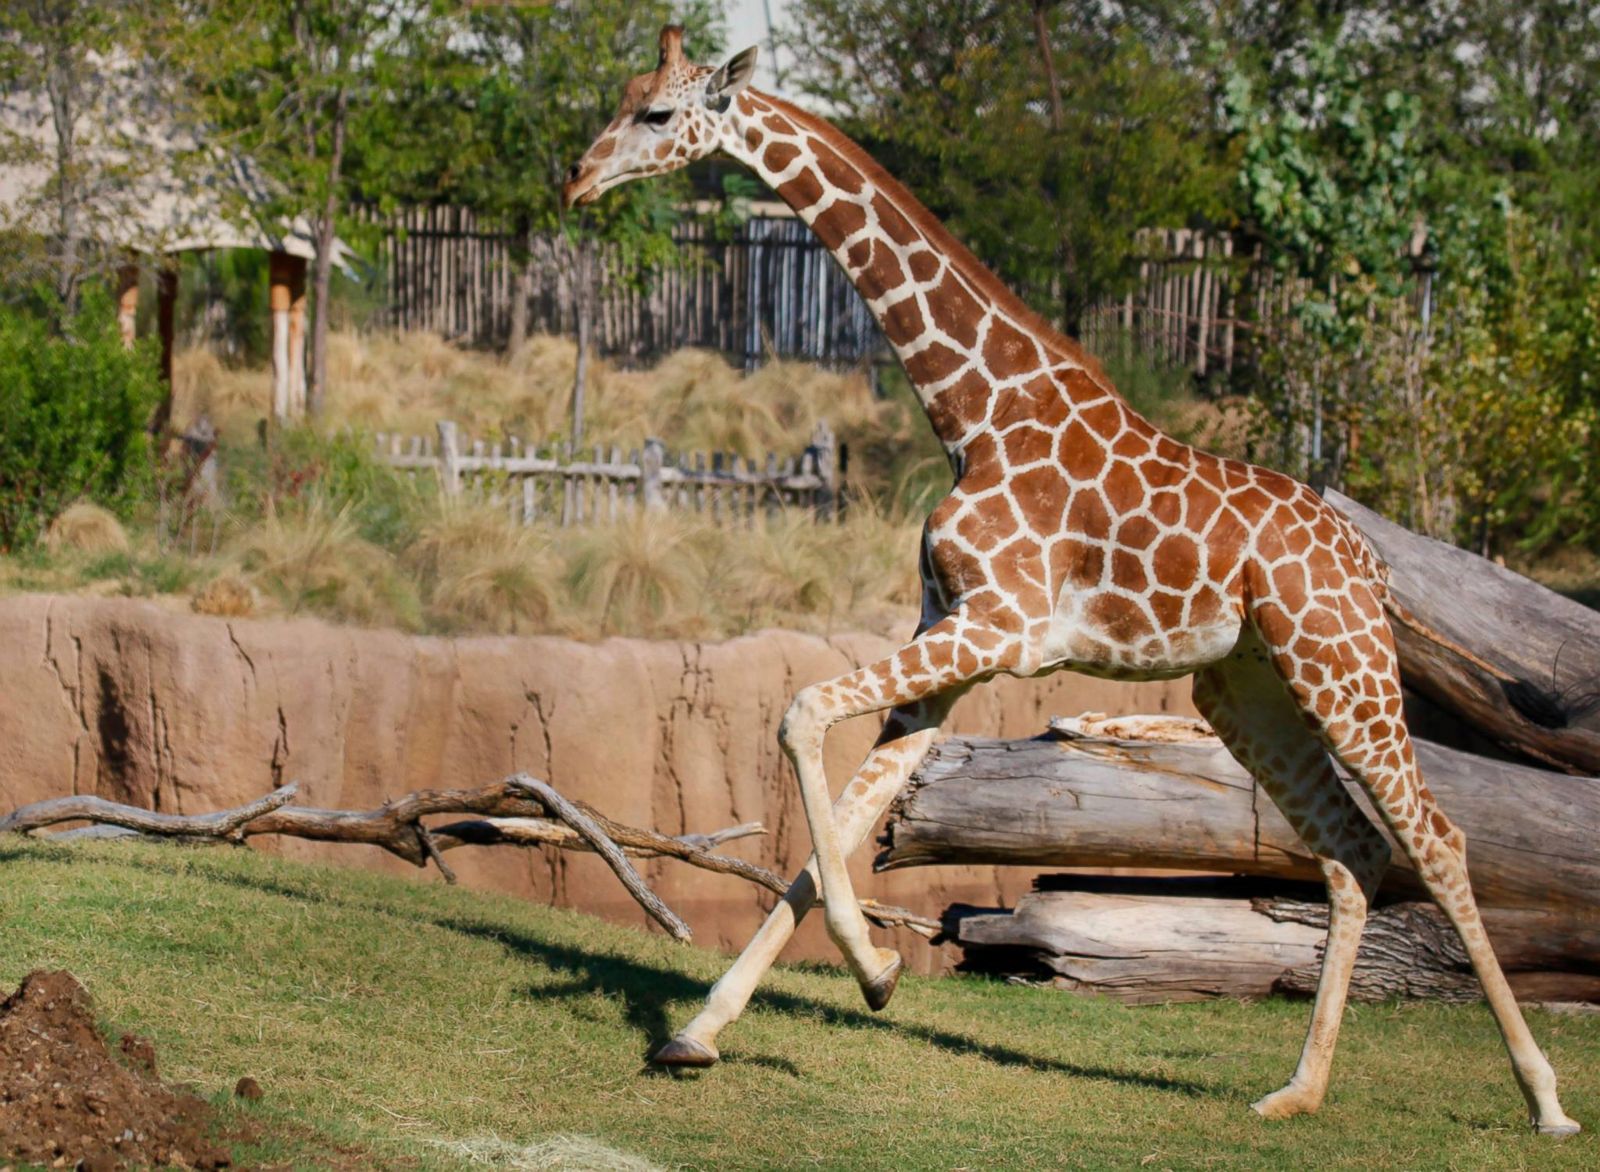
pixel 804 725
pixel 906 736
pixel 945 658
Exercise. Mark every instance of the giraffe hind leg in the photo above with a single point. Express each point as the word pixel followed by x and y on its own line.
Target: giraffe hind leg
pixel 1347 686
pixel 1246 704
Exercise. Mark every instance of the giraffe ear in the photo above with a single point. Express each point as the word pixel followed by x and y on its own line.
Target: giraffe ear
pixel 730 79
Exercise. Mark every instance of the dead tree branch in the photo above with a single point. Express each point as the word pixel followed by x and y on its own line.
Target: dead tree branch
pixel 518 811
pixel 607 850
pixel 224 824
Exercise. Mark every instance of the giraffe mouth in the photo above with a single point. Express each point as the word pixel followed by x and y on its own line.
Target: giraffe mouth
pixel 580 191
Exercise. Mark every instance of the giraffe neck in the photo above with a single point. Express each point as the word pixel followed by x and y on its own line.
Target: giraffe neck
pixel 964 339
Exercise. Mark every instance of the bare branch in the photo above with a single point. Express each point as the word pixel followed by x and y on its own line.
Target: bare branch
pixel 224 824
pixel 517 811
pixel 607 850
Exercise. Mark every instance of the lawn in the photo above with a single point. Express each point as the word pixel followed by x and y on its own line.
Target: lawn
pixel 441 1028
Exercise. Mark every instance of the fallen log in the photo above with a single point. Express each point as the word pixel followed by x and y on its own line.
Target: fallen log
pixel 518 811
pixel 1162 793
pixel 1541 698
pixel 1147 941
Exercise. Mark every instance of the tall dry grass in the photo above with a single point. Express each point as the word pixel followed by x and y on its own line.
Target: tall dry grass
pixel 452 567
pixel 693 399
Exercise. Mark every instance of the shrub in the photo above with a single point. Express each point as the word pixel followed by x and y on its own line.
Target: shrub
pixel 72 419
pixel 85 528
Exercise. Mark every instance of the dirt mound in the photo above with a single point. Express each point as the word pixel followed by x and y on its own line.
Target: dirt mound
pixel 64 1098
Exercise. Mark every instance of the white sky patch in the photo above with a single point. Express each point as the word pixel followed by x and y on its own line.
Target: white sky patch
pixel 747 23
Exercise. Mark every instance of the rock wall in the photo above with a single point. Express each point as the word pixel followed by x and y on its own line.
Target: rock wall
pixel 140 703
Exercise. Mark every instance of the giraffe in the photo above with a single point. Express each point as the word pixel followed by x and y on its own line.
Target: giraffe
pixel 1077 536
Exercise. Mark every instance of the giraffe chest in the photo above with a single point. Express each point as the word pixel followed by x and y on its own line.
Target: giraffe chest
pixel 1119 635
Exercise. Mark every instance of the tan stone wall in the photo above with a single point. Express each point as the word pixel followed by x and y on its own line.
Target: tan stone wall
pixel 139 703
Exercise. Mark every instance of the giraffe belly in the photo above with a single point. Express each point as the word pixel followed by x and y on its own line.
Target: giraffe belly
pixel 1130 649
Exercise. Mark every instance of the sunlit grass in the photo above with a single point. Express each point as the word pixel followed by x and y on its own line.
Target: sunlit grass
pixel 446 1026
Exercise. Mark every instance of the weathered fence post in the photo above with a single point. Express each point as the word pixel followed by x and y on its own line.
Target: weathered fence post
pixel 449 459
pixel 823 448
pixel 650 462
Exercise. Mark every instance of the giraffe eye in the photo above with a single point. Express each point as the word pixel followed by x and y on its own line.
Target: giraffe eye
pixel 657 117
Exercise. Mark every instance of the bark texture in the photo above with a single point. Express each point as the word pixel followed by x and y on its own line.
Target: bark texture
pixel 1548 645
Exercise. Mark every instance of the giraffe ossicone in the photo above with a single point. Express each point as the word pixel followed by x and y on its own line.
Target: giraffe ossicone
pixel 1077 536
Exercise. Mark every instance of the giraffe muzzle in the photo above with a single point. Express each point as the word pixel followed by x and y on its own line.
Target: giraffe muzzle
pixel 580 187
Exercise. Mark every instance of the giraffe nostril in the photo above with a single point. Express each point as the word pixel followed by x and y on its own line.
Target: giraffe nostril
pixel 572 173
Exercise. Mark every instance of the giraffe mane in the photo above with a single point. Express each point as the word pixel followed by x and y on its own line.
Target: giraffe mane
pixel 978 275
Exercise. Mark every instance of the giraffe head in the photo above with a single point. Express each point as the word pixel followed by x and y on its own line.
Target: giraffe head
pixel 667 120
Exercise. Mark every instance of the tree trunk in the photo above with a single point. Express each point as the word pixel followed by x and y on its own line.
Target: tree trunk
pixel 521 291
pixel 61 88
pixel 322 274
pixel 1547 645
pixel 583 301
pixel 1155 793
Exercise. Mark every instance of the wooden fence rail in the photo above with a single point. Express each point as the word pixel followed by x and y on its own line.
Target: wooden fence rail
pixel 558 484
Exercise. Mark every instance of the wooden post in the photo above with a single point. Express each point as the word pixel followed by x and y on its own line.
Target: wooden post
pixel 128 301
pixel 650 462
pixel 449 459
pixel 297 335
pixel 279 270
pixel 166 306
pixel 823 445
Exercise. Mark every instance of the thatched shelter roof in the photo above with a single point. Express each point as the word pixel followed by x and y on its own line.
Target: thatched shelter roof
pixel 150 183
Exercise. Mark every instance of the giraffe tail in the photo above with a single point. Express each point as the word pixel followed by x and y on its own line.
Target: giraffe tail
pixel 1538 705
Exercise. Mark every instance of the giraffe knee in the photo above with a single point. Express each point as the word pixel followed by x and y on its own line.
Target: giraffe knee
pixel 1442 835
pixel 804 722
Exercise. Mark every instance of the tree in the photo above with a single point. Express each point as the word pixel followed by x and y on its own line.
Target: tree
pixel 70 83
pixel 1046 134
pixel 301 87
pixel 1331 179
pixel 534 86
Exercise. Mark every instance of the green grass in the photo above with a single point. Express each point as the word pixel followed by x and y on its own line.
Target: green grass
pixel 410 1018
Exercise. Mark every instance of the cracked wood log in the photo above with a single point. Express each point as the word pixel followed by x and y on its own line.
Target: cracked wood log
pixel 1147 941
pixel 1547 644
pixel 1162 793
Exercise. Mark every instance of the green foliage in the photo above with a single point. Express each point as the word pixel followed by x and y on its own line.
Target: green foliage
pixel 1330 175
pixel 304 467
pixel 72 419
pixel 1425 181
pixel 1045 138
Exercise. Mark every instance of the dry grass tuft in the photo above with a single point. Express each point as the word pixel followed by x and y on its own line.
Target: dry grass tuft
pixel 408 382
pixel 480 572
pixel 457 568
pixel 86 528
pixel 640 574
pixel 226 596
pixel 315 561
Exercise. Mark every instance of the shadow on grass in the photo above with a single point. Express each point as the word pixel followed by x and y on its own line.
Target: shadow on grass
pixel 645 990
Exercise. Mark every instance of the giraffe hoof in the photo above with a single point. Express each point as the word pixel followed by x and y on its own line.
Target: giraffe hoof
pixel 1282 1104
pixel 881 987
pixel 1559 1128
pixel 685 1051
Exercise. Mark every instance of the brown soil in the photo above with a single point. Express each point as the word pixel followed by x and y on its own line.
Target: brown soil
pixel 66 1100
